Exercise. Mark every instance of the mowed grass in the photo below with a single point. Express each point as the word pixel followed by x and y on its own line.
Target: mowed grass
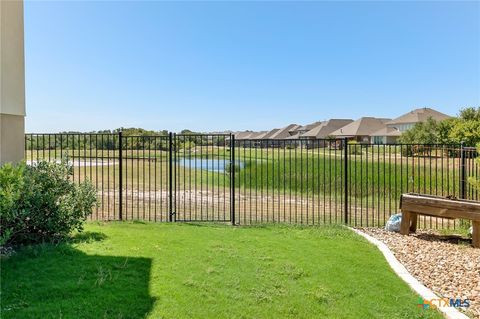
pixel 135 270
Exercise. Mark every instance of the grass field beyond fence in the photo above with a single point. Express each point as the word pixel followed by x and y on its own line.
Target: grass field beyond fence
pixel 147 270
pixel 306 182
pixel 300 171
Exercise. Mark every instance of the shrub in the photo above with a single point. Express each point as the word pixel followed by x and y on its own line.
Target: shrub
pixel 291 146
pixel 41 203
pixel 354 148
pixel 236 168
pixel 407 150
pixel 473 180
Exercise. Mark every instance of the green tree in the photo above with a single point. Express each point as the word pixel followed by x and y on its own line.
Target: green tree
pixel 422 133
pixel 470 114
pixel 443 130
pixel 466 128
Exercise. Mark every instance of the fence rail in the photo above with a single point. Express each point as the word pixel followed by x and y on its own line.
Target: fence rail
pixel 213 177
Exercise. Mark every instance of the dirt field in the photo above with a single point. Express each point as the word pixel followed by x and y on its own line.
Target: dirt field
pixel 214 205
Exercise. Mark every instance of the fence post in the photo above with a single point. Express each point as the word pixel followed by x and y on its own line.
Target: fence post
pixel 232 178
pixel 170 176
pixel 120 177
pixel 463 178
pixel 345 173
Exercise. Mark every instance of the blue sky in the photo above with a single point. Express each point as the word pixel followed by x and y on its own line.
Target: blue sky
pixel 212 66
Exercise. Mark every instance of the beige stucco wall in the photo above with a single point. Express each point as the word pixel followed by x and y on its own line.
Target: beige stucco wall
pixel 12 138
pixel 12 81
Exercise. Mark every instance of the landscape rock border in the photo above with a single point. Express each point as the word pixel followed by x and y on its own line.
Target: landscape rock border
pixel 402 272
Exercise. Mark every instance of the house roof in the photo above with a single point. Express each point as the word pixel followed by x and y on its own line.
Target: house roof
pixel 293 137
pixel 310 126
pixel 270 133
pixel 283 132
pixel 387 131
pixel 419 115
pixel 324 129
pixel 294 129
pixel 364 126
pixel 256 135
pixel 266 134
pixel 243 135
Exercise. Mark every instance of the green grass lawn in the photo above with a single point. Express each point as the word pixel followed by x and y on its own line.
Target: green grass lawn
pixel 135 270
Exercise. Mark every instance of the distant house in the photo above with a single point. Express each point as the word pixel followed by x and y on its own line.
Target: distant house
pixel 267 134
pixel 324 129
pixel 364 130
pixel 294 130
pixel 253 139
pixel 256 135
pixel 264 138
pixel 394 128
pixel 243 135
pixel 243 138
pixel 360 130
pixel 321 131
pixel 284 132
pixel 279 138
pixel 304 129
pixel 297 131
pixel 385 135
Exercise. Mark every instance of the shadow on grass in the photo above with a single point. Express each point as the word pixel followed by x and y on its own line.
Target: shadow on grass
pixel 205 224
pixel 87 237
pixel 63 282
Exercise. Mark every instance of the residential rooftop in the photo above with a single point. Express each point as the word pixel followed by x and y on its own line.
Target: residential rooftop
pixel 364 126
pixel 419 115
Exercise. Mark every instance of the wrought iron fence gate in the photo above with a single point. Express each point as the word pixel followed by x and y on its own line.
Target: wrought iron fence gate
pixel 166 178
pixel 202 178
pixel 213 177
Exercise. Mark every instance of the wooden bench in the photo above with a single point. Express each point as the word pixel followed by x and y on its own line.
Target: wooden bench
pixel 413 205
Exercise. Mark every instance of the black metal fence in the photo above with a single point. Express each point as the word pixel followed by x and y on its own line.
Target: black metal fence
pixel 213 177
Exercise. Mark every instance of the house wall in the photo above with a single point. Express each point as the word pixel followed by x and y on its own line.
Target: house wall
pixel 361 139
pixel 378 140
pixel 12 82
pixel 12 128
pixel 402 127
pixel 392 139
pixel 383 139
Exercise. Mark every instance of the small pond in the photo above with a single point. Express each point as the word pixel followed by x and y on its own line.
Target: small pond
pixel 217 165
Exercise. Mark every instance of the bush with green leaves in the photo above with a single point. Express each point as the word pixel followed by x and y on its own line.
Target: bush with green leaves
pixel 464 128
pixel 354 148
pixel 235 167
pixel 41 203
pixel 475 181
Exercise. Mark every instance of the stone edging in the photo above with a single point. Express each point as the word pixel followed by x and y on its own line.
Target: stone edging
pixel 402 272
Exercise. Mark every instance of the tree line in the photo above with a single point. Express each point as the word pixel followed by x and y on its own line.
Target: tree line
pixel 132 139
pixel 465 128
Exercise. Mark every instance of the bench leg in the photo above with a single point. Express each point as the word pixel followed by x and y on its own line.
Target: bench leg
pixel 413 224
pixel 405 225
pixel 476 233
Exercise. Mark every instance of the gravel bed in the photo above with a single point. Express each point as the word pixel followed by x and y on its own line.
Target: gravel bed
pixel 448 265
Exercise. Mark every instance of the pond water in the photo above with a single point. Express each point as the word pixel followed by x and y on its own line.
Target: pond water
pixel 216 165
